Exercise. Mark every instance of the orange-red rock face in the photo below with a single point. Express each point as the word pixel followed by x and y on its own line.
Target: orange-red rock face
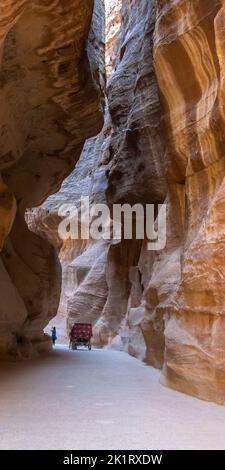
pixel 84 288
pixel 183 284
pixel 189 62
pixel 112 34
pixel 50 103
pixel 45 78
pixel 135 173
pixel 102 282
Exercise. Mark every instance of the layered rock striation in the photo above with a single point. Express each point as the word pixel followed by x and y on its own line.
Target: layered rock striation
pixel 83 259
pixel 176 299
pixel 123 164
pixel 51 101
pixel 189 63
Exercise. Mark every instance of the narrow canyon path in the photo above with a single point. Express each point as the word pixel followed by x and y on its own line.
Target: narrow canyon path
pixel 100 399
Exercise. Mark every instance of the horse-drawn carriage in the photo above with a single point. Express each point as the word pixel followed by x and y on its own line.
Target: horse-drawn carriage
pixel 80 335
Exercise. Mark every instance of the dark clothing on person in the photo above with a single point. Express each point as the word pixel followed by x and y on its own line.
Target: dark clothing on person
pixel 54 336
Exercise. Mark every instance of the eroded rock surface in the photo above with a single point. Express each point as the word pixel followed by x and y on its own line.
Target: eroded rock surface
pixel 135 170
pixel 163 141
pixel 83 261
pixel 188 43
pixel 51 101
pixel 183 285
pixel 130 151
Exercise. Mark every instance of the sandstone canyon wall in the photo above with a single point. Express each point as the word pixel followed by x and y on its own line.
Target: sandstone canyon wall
pixel 162 141
pixel 181 310
pixel 189 62
pixel 124 163
pixel 50 90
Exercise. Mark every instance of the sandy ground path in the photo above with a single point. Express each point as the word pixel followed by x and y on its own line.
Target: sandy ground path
pixel 100 399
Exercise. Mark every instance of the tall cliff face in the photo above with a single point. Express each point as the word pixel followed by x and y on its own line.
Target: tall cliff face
pixel 135 171
pixel 50 103
pixel 98 277
pixel 84 287
pixel 176 296
pixel 189 61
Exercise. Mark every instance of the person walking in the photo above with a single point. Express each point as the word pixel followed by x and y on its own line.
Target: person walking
pixel 54 336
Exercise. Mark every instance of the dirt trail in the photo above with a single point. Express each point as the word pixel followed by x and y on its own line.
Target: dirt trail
pixel 100 399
